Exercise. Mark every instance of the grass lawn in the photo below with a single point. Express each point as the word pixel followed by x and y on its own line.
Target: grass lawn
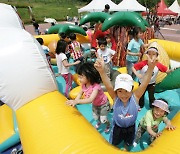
pixel 57 9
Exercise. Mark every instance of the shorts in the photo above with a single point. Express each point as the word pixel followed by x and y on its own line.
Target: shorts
pixel 101 112
pixel 120 134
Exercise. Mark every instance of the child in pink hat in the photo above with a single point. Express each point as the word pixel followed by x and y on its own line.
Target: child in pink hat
pixel 152 119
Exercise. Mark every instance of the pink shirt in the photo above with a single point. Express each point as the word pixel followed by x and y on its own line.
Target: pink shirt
pixel 100 99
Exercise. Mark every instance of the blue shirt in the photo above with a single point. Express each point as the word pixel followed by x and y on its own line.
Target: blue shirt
pixel 134 47
pixel 125 116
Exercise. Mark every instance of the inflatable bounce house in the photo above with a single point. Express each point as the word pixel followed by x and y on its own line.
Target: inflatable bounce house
pixel 35 114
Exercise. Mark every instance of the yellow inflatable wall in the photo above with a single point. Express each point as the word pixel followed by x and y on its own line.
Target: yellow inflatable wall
pixel 48 126
pixel 6 123
pixel 172 48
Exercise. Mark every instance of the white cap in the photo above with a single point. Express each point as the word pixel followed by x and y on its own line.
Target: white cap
pixel 124 81
pixel 152 49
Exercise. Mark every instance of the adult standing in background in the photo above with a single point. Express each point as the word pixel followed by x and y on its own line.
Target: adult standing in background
pixel 106 8
pixel 36 26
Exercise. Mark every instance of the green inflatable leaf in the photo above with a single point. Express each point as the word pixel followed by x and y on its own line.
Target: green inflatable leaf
pixel 66 28
pixel 94 16
pixel 123 19
pixel 171 81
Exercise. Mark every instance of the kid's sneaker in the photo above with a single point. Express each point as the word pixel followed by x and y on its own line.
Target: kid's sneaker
pixel 107 129
pixel 97 125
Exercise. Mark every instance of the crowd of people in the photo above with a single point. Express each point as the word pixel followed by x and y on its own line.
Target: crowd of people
pixel 127 103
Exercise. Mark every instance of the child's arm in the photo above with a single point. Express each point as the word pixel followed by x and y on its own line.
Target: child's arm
pixel 79 95
pixel 146 79
pixel 83 101
pixel 171 70
pixel 152 133
pixel 134 54
pixel 99 65
pixel 169 126
pixel 66 64
pixel 136 73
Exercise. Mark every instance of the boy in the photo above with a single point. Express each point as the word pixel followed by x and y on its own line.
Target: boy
pixel 75 48
pixel 125 108
pixel 106 53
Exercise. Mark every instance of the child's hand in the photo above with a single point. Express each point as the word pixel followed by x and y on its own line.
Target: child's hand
pixel 152 61
pixel 71 102
pixel 170 127
pixel 158 134
pixel 99 64
pixel 139 54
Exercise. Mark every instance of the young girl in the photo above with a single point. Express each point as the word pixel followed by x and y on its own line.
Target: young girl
pixel 125 102
pixel 142 68
pixel 133 49
pixel 92 91
pixel 63 65
pixel 152 119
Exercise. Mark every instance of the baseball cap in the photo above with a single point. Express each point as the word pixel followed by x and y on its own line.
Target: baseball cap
pixel 124 81
pixel 161 104
pixel 152 49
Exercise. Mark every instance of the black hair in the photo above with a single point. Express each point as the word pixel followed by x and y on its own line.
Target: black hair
pixel 108 36
pixel 62 35
pixel 72 36
pixel 61 47
pixel 40 40
pixel 85 28
pixel 107 6
pixel 102 41
pixel 153 48
pixel 134 31
pixel 87 69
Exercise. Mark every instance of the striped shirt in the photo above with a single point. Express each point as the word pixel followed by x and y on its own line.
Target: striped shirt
pixel 75 49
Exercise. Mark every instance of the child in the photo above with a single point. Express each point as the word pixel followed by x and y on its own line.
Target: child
pixel 63 65
pixel 142 67
pixel 125 102
pixel 63 37
pixel 152 119
pixel 45 49
pixel 91 89
pixel 106 53
pixel 110 42
pixel 133 49
pixel 75 48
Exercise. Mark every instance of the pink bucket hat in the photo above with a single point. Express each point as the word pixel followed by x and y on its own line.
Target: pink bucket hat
pixel 124 81
pixel 161 104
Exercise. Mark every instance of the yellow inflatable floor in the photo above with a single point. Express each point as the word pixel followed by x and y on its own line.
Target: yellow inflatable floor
pixel 48 126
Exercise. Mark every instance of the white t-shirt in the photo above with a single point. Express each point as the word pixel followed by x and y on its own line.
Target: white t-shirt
pixel 46 49
pixel 106 54
pixel 61 68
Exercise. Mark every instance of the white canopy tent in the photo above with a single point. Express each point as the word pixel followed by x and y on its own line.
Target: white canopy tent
pixel 98 6
pixel 175 7
pixel 130 5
